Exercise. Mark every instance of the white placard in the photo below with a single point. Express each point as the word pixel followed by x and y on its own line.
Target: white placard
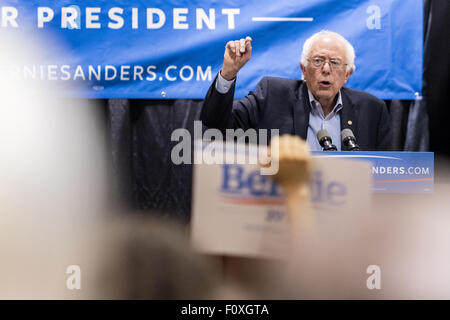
pixel 239 212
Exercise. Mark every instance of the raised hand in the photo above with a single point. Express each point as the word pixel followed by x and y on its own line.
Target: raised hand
pixel 293 156
pixel 236 55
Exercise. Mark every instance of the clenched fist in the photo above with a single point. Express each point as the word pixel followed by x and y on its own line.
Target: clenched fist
pixel 237 53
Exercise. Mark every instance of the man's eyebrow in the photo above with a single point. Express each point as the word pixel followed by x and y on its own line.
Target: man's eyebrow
pixel 323 57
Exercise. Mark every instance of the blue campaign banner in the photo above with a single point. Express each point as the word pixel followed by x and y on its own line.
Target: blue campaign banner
pixel 173 49
pixel 394 172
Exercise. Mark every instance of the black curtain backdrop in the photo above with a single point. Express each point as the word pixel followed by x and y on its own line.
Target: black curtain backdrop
pixel 147 181
pixel 146 178
pixel 436 79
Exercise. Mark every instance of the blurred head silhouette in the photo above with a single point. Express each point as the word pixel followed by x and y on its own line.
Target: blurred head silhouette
pixel 52 176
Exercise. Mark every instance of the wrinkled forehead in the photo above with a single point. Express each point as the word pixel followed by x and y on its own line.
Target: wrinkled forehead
pixel 328 46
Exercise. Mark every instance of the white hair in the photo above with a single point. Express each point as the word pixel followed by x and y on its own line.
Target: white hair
pixel 349 50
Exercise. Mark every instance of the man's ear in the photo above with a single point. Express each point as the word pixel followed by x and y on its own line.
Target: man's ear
pixel 348 74
pixel 302 67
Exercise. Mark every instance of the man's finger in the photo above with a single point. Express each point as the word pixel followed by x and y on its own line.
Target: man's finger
pixel 237 46
pixel 231 45
pixel 242 45
pixel 248 45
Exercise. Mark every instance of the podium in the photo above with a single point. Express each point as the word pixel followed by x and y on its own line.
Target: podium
pixel 394 172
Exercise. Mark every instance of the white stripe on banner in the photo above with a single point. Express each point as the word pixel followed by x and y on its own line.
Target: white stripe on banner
pixel 282 19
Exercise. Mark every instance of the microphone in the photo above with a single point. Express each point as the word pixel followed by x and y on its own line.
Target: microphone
pixel 325 140
pixel 349 140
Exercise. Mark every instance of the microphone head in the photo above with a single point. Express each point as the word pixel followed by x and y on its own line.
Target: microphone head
pixel 349 140
pixel 323 134
pixel 347 133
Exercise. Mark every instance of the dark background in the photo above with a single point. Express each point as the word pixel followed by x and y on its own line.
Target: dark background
pixel 146 180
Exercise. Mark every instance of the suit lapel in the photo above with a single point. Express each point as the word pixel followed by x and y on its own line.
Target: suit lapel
pixel 301 111
pixel 349 113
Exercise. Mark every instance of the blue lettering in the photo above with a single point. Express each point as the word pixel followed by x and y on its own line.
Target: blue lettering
pixel 236 181
pixel 257 184
pixel 274 215
pixel 335 193
pixel 232 178
pixel 274 191
pixel 316 186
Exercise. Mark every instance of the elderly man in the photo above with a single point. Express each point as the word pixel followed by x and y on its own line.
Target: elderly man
pixel 300 107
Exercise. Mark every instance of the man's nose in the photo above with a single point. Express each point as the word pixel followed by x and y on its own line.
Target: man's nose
pixel 326 67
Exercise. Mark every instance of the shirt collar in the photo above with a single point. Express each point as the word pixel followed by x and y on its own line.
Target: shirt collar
pixel 316 107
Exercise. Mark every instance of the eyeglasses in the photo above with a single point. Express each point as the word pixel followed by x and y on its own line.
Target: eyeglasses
pixel 335 64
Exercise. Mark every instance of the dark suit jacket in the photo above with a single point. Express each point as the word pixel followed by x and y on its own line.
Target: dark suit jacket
pixel 283 104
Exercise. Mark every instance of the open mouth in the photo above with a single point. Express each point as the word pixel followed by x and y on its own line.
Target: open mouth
pixel 325 84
